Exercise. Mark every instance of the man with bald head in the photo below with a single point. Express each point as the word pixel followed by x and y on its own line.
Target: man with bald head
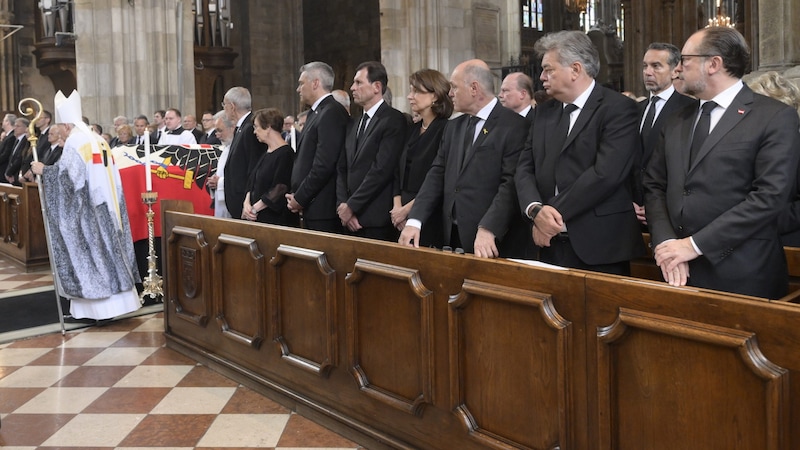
pixel 714 189
pixel 516 93
pixel 471 181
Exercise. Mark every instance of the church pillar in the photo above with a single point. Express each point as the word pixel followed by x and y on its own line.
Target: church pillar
pixel 418 34
pixel 779 43
pixel 134 57
pixel 8 66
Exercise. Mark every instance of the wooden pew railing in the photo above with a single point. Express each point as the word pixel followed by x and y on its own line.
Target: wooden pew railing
pixel 22 237
pixel 403 348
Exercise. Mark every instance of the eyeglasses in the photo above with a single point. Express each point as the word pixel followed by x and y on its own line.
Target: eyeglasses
pixel 683 57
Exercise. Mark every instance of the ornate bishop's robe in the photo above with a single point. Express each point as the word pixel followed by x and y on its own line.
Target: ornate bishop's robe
pixel 89 230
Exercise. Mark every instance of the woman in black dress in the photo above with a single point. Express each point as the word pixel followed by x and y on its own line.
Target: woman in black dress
pixel 429 100
pixel 270 179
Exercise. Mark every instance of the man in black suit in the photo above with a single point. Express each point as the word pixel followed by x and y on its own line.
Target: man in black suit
pixel 160 126
pixel 139 129
pixel 372 151
pixel 471 181
pixel 43 125
pixel 245 149
pixel 313 192
pixel 190 123
pixel 209 130
pixel 714 189
pixel 18 153
pixel 8 143
pixel 573 174
pixel 516 94
pixel 658 71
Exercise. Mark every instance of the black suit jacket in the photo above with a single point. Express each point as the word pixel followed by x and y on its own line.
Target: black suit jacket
pixel 729 197
pixel 209 139
pixel 676 102
pixel 17 160
pixel 42 144
pixel 318 149
pixel 6 148
pixel 51 155
pixel 481 192
pixel 591 171
pixel 368 165
pixel 245 151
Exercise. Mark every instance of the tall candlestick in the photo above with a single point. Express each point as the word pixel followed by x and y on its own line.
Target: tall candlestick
pixel 148 175
pixel 293 137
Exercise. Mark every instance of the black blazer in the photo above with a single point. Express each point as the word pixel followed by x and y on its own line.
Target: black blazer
pixel 51 155
pixel 417 158
pixel 245 151
pixel 209 139
pixel 728 199
pixel 368 165
pixel 591 171
pixel 42 144
pixel 482 191
pixel 318 149
pixel 6 148
pixel 676 102
pixel 17 160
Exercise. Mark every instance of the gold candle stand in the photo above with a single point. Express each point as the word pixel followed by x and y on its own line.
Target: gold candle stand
pixel 152 282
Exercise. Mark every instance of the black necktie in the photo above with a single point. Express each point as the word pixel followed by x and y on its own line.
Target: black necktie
pixel 649 118
pixel 702 129
pixel 362 127
pixel 563 124
pixel 469 137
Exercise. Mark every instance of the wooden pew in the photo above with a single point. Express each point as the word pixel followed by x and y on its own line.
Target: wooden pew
pixel 403 348
pixel 22 238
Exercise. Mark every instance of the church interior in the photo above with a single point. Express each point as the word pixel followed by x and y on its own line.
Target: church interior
pixel 336 342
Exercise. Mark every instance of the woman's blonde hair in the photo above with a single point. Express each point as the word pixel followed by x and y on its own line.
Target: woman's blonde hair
pixel 772 84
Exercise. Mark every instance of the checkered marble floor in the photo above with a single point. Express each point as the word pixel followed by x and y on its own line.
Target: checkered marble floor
pixel 13 278
pixel 118 386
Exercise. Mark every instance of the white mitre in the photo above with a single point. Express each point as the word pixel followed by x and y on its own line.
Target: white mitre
pixel 68 109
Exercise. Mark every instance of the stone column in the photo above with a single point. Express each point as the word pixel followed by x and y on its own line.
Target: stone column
pixel 130 58
pixel 779 43
pixel 8 70
pixel 419 34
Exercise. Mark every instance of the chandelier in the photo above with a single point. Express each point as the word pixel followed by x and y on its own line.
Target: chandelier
pixel 575 6
pixel 721 19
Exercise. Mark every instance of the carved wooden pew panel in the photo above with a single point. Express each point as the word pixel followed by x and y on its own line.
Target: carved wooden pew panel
pixel 407 348
pixel 682 368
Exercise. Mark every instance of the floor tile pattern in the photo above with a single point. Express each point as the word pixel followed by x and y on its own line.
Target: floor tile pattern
pixel 119 387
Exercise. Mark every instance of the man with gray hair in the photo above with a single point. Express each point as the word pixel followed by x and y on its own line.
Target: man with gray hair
pixel 573 174
pixel 244 150
pixel 313 190
pixel 471 181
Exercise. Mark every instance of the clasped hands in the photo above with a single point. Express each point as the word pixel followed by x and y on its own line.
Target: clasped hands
pixel 547 224
pixel 673 257
pixel 348 218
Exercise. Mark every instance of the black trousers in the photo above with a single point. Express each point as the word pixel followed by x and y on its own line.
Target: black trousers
pixel 562 254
